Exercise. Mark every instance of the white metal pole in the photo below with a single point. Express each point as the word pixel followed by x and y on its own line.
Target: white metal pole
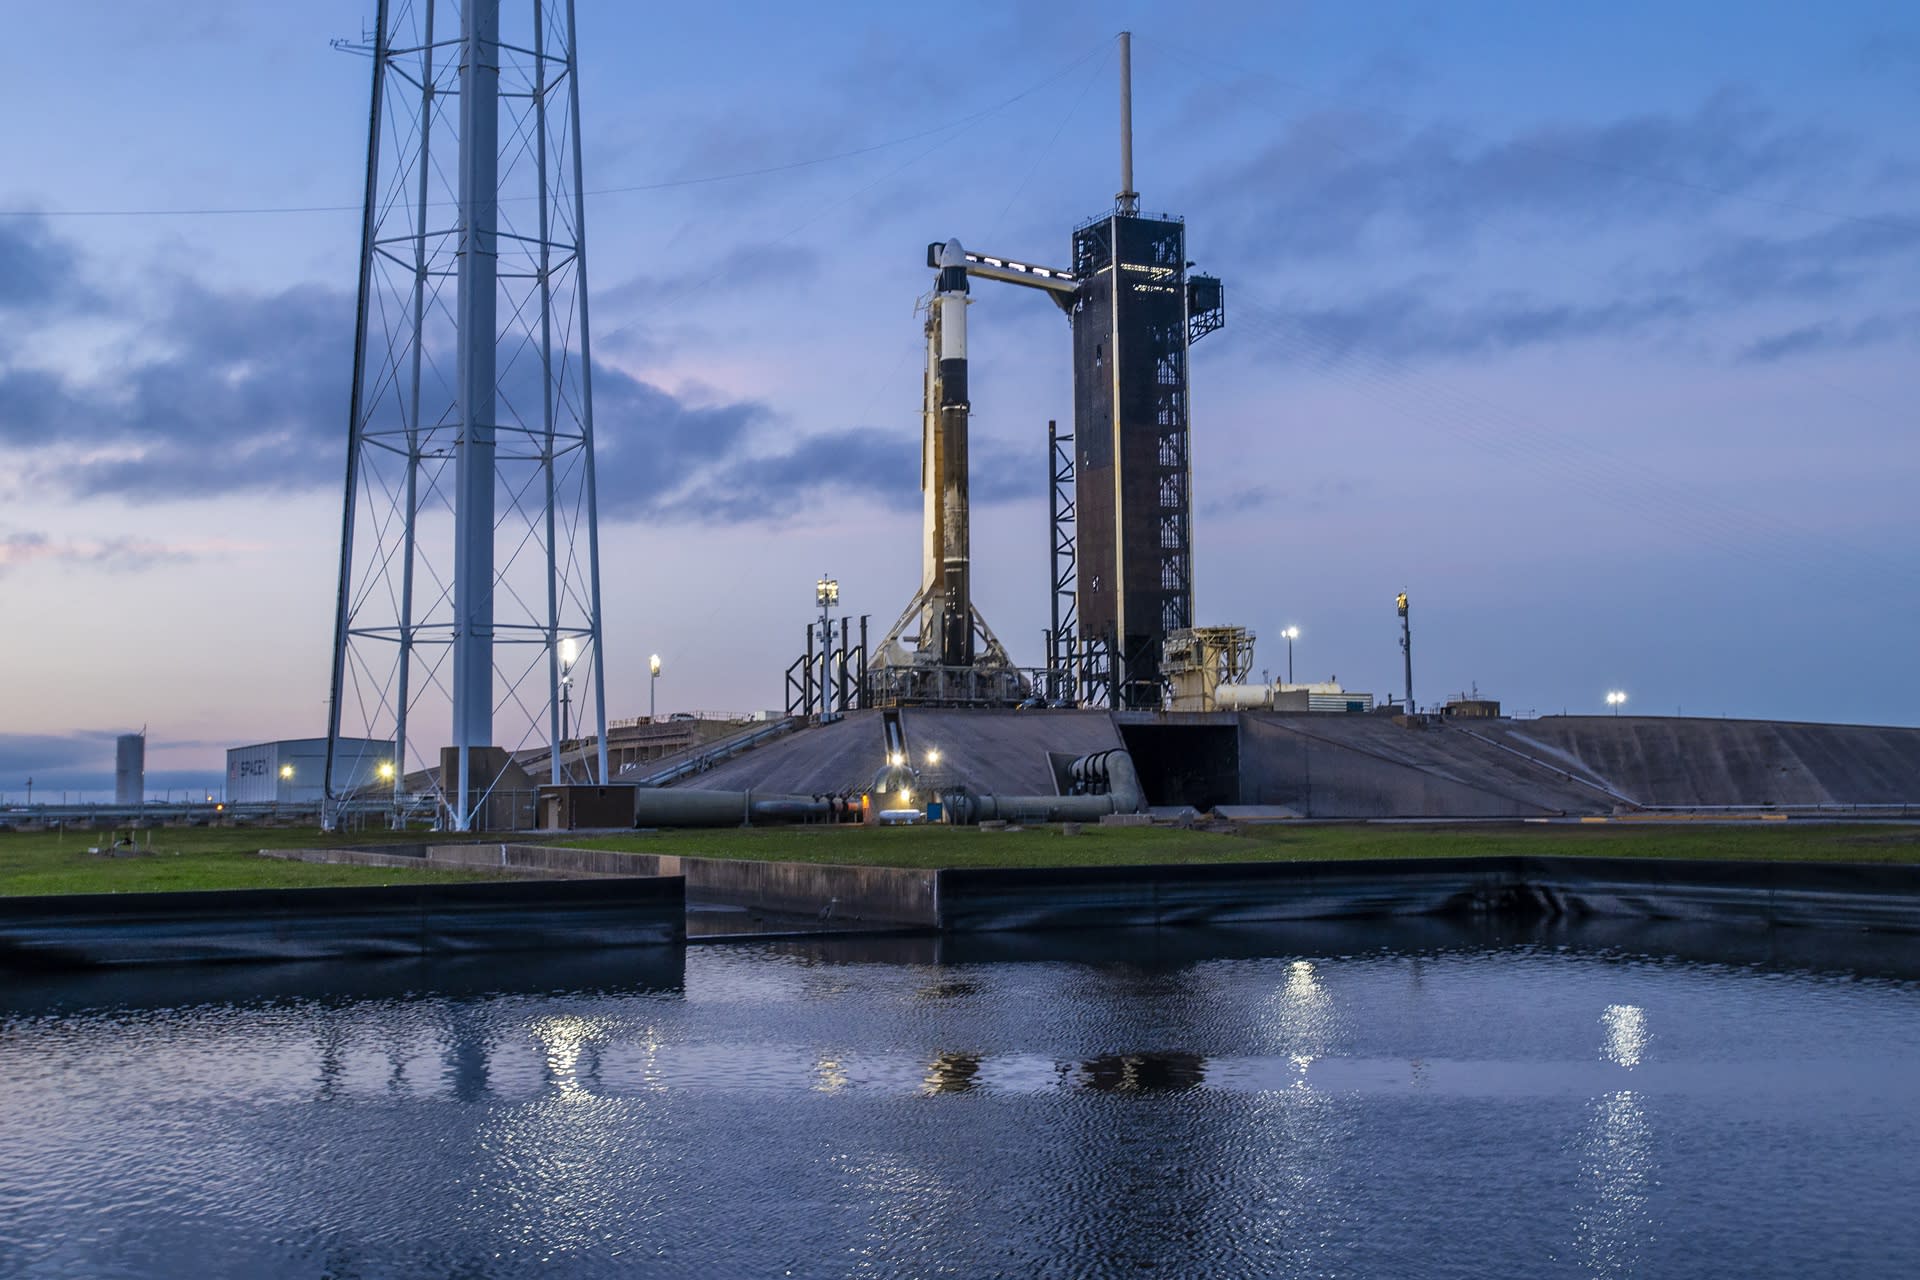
pixel 403 693
pixel 343 605
pixel 477 310
pixel 586 392
pixel 1128 199
pixel 556 673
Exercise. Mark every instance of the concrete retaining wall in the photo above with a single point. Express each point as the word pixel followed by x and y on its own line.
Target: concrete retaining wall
pixel 876 895
pixel 1831 896
pixel 87 930
pixel 531 860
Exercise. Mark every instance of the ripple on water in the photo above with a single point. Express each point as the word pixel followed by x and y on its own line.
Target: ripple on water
pixel 766 1111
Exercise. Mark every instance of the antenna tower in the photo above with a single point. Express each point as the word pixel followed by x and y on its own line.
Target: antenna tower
pixel 469 556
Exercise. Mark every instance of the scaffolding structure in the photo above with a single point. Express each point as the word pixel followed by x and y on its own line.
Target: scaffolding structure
pixel 469 594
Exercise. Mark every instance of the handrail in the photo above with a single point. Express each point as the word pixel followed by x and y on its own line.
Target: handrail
pixel 717 752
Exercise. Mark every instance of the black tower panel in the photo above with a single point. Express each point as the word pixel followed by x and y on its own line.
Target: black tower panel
pixel 1133 505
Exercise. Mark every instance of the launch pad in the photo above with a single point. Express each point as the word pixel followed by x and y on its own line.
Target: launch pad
pixel 1121 510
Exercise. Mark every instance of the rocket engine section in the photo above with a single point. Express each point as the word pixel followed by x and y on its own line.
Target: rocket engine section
pixel 943 461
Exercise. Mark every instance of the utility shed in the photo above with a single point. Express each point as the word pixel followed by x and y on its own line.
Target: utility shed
pixel 570 807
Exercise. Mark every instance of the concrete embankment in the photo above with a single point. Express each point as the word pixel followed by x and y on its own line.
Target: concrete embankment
pixel 888 896
pixel 530 860
pixel 87 930
pixel 1881 898
pixel 646 903
pixel 1826 895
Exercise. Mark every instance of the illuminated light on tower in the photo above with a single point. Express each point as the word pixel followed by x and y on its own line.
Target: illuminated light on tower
pixel 469 557
pixel 569 654
pixel 826 594
pixel 1616 698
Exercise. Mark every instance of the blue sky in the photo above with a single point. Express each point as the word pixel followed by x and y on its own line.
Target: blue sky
pixel 1591 326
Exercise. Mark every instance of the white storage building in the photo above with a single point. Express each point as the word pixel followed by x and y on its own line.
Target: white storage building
pixel 293 771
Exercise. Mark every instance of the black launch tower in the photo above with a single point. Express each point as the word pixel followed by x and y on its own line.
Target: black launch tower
pixel 1136 313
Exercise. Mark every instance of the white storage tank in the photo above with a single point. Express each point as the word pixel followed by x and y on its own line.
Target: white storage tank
pixel 130 768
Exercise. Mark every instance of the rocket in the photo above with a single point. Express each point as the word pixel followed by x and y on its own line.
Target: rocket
pixel 943 462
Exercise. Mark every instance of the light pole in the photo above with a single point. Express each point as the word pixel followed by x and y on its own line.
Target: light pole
pixel 569 654
pixel 29 793
pixel 653 681
pixel 1406 645
pixel 826 594
pixel 1292 634
pixel 1615 697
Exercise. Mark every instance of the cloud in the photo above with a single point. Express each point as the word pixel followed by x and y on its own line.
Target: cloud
pixel 81 763
pixel 1334 177
pixel 1406 322
pixel 71 761
pixel 22 751
pixel 1829 335
pixel 119 555
pixel 250 395
pixel 1819 264
pixel 741 267
pixel 866 463
pixel 1894 55
pixel 648 442
pixel 1239 501
pixel 38 271
pixel 1435 316
pixel 1325 493
pixel 1339 185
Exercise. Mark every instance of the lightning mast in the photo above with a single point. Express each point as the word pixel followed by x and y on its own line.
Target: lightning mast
pixel 469 552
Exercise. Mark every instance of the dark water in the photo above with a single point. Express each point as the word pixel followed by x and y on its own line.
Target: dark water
pixel 1328 1102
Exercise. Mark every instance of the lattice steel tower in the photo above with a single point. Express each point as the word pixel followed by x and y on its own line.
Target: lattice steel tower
pixel 469 606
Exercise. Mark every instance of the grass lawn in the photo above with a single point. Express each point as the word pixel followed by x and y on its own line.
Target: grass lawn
pixel 189 858
pixel 1039 846
pixel 198 858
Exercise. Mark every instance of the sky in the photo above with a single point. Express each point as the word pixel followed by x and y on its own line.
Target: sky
pixel 1592 327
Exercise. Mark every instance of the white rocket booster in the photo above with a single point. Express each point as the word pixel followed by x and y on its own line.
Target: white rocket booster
pixel 943 463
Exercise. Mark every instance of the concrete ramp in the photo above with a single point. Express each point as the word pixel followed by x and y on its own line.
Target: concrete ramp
pixel 1680 762
pixel 1367 766
pixel 821 759
pixel 1370 767
pixel 988 751
pixel 1002 752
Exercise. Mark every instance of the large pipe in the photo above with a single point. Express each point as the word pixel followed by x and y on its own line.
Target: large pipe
pixel 1128 200
pixel 676 808
pixel 1112 769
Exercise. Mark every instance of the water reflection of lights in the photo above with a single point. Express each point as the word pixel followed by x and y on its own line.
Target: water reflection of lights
pixel 828 1075
pixel 951 1073
pixel 1620 1170
pixel 566 1038
pixel 1141 1072
pixel 1626 1026
pixel 1304 1014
